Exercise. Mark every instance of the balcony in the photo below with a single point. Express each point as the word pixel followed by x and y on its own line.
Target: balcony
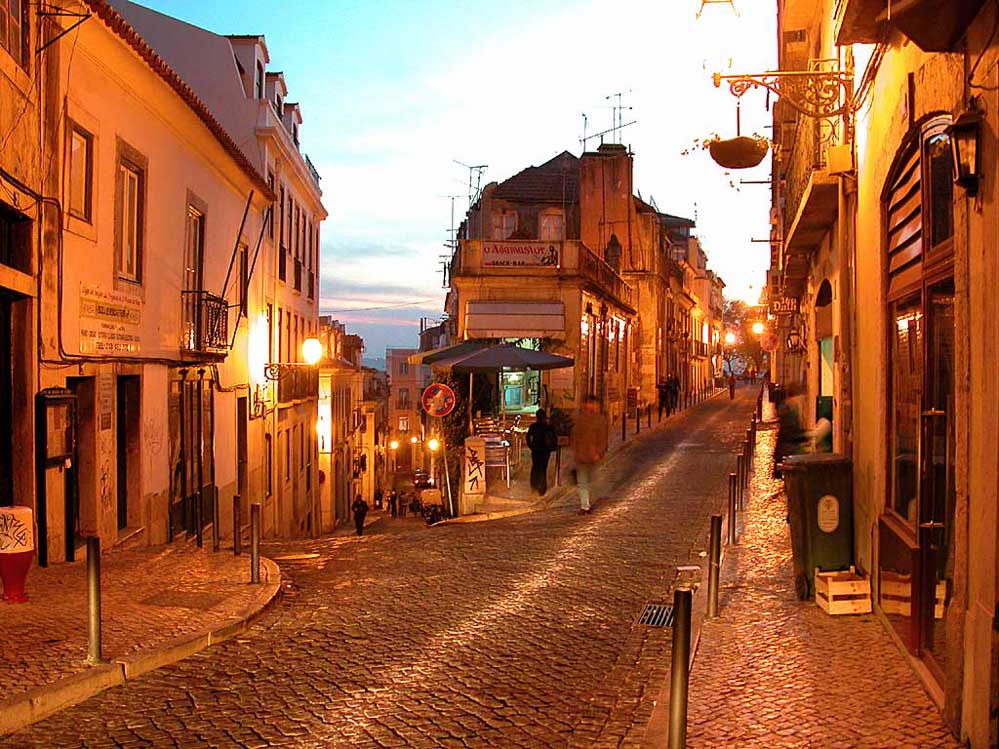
pixel 700 349
pixel 313 172
pixel 282 260
pixel 298 274
pixel 206 322
pixel 541 259
pixel 298 384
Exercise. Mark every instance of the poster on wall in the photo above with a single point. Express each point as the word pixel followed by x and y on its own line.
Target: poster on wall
pixel 109 321
pixel 475 467
pixel 517 254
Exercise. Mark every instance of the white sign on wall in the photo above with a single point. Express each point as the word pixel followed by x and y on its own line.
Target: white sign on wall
pixel 109 321
pixel 516 254
pixel 828 514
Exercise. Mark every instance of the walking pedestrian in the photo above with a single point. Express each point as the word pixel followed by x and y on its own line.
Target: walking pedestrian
pixel 731 386
pixel 360 509
pixel 662 393
pixel 394 502
pixel 589 441
pixel 402 505
pixel 378 498
pixel 542 441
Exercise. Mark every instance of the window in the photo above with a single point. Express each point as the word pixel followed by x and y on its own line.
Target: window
pixel 403 423
pixel 260 80
pixel 15 239
pixel 403 368
pixel 294 133
pixel 270 332
pixel 281 213
pixel 81 173
pixel 14 29
pixel 130 216
pixel 270 213
pixel 504 224
pixel 940 188
pixel 279 104
pixel 269 463
pixel 551 226
pixel 244 269
pixel 194 249
pixel 403 397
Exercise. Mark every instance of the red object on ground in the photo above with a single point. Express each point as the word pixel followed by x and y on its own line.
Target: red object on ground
pixel 14 571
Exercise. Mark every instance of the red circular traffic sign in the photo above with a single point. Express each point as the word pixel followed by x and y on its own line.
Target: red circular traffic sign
pixel 769 342
pixel 438 399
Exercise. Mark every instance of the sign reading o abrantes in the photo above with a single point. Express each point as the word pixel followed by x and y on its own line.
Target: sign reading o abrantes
pixel 438 399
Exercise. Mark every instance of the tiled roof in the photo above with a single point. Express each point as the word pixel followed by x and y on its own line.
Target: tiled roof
pixel 555 181
pixel 129 35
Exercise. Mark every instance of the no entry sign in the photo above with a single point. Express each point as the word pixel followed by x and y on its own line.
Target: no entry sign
pixel 438 399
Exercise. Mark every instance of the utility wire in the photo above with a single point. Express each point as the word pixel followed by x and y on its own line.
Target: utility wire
pixel 387 306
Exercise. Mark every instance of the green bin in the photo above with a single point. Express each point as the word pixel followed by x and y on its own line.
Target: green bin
pixel 819 489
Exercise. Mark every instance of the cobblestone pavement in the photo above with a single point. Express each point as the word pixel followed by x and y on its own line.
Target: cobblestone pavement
pixel 774 671
pixel 149 596
pixel 515 633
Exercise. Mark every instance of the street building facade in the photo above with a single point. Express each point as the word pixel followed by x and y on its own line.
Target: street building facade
pixel 881 290
pixel 405 414
pixel 149 407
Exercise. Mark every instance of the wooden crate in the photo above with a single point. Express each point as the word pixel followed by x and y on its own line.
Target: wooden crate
pixel 843 592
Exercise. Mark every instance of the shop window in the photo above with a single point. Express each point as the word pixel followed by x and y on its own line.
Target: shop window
pixel 551 229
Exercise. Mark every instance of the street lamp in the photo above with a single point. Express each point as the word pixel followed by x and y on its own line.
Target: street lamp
pixel 965 134
pixel 433 444
pixel 758 328
pixel 729 338
pixel 312 352
pixel 394 447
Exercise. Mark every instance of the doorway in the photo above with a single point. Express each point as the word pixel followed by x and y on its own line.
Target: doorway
pixel 6 406
pixel 127 448
pixel 242 485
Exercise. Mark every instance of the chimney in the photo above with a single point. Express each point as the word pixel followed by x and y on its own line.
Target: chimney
pixel 606 206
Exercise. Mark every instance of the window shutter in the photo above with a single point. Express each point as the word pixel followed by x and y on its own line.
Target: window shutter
pixel 905 227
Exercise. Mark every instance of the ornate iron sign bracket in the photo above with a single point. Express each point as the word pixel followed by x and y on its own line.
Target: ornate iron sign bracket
pixel 817 93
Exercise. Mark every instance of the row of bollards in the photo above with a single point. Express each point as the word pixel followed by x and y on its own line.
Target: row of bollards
pixel 689 398
pixel 95 654
pixel 738 486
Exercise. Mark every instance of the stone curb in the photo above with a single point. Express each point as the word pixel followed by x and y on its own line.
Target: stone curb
pixel 42 701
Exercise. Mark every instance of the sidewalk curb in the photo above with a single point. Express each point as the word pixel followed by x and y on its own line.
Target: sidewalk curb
pixel 42 701
pixel 560 494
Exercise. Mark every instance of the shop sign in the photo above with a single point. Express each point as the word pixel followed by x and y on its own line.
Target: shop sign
pixel 438 399
pixel 519 254
pixel 784 305
pixel 109 321
pixel 475 466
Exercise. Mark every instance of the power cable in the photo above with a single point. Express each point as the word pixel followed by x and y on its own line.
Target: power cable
pixel 387 306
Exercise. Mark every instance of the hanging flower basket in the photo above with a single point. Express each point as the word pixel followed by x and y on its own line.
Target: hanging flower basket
pixel 741 152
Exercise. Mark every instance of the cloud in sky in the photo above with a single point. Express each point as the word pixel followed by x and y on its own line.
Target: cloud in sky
pixel 392 92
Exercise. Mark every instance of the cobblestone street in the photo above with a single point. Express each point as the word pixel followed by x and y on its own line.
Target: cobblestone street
pixel 519 632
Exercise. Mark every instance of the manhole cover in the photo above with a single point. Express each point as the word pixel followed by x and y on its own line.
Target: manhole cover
pixel 657 615
pixel 184 600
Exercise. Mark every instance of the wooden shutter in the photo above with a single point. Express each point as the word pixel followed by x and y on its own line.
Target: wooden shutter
pixel 905 227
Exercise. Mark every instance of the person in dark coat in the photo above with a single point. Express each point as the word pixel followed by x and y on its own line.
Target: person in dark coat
pixel 542 441
pixel 394 502
pixel 360 509
pixel 378 498
pixel 731 386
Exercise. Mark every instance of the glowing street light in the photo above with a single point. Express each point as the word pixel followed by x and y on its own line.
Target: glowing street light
pixel 394 445
pixel 433 443
pixel 729 338
pixel 758 328
pixel 312 351
pixel 414 439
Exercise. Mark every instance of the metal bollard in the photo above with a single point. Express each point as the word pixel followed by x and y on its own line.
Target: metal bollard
pixel 733 538
pixel 648 415
pixel 740 466
pixel 216 523
pixel 237 526
pixel 624 424
pixel 638 419
pixel 747 461
pixel 94 655
pixel 679 669
pixel 714 565
pixel 254 543
pixel 199 516
pixel 749 449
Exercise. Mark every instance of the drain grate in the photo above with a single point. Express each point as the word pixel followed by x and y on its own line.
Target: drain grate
pixel 657 615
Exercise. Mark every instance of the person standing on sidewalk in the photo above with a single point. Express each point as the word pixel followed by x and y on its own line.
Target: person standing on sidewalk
pixel 541 441
pixel 360 509
pixel 394 502
pixel 589 443
pixel 731 386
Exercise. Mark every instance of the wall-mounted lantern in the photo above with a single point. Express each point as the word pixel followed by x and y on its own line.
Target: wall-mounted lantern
pixel 965 138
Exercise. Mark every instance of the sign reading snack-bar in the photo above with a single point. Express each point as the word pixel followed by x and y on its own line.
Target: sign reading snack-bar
pixel 515 254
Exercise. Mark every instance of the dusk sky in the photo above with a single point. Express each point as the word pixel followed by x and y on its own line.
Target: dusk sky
pixel 393 91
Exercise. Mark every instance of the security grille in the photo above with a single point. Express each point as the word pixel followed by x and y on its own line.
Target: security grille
pixel 657 615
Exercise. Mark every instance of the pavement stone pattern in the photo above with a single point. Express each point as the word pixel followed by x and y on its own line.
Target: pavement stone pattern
pixel 148 597
pixel 775 672
pixel 515 633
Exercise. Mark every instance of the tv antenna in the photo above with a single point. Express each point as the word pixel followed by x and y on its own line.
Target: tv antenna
pixel 451 244
pixel 586 121
pixel 617 112
pixel 602 133
pixel 474 175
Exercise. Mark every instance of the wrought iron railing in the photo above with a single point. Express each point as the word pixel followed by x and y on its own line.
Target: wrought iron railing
pixel 205 322
pixel 298 383
pixel 598 271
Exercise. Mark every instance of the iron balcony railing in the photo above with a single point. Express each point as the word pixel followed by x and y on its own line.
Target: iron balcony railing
pixel 206 321
pixel 298 383
pixel 298 274
pixel 597 270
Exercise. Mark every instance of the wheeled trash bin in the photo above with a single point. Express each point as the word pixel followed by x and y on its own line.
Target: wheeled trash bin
pixel 819 489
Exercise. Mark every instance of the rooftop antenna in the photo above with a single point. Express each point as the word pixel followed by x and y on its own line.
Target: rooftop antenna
pixel 451 244
pixel 586 121
pixel 474 174
pixel 602 133
pixel 617 112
